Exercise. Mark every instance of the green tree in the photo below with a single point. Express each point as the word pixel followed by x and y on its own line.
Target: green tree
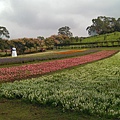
pixel 49 42
pixel 20 45
pixel 117 26
pixel 40 38
pixel 4 32
pixel 102 25
pixel 76 38
pixel 37 44
pixel 65 31
pixel 1 45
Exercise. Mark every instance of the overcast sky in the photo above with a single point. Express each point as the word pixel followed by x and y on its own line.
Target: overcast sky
pixel 32 18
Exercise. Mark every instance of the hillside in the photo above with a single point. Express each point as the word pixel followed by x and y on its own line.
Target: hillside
pixel 106 37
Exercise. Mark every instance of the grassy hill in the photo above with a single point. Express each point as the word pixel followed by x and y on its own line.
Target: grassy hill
pixel 106 37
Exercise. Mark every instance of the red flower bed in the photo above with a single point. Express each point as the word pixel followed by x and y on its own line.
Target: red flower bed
pixel 31 70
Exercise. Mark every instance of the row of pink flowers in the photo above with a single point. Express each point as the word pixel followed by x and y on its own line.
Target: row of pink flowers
pixel 31 70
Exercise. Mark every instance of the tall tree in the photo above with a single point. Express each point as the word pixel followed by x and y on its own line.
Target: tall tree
pixel 117 26
pixel 4 32
pixel 102 25
pixel 65 31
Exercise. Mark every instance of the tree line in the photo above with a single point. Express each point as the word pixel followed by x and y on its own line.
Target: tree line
pixel 100 25
pixel 28 44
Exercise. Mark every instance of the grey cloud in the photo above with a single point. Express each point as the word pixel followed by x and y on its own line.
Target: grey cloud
pixel 48 15
pixel 35 16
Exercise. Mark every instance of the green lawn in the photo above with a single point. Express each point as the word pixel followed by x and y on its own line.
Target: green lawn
pixel 99 38
pixel 18 110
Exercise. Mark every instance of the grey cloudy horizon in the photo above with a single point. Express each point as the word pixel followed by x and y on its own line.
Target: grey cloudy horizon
pixel 32 18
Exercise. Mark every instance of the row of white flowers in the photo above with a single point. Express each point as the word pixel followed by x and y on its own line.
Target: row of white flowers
pixel 93 88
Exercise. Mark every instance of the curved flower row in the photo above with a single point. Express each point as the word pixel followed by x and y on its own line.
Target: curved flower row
pixel 70 51
pixel 31 70
pixel 53 56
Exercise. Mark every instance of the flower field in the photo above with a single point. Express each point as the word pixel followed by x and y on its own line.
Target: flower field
pixel 6 61
pixel 31 70
pixel 92 89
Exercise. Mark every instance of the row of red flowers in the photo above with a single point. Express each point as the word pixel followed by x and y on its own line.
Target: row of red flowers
pixel 31 70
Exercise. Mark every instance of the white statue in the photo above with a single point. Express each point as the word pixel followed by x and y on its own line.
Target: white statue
pixel 14 53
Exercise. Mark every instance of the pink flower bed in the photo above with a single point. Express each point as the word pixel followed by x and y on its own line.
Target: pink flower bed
pixel 31 70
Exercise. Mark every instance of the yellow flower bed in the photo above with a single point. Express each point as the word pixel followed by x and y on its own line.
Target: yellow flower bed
pixel 70 51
